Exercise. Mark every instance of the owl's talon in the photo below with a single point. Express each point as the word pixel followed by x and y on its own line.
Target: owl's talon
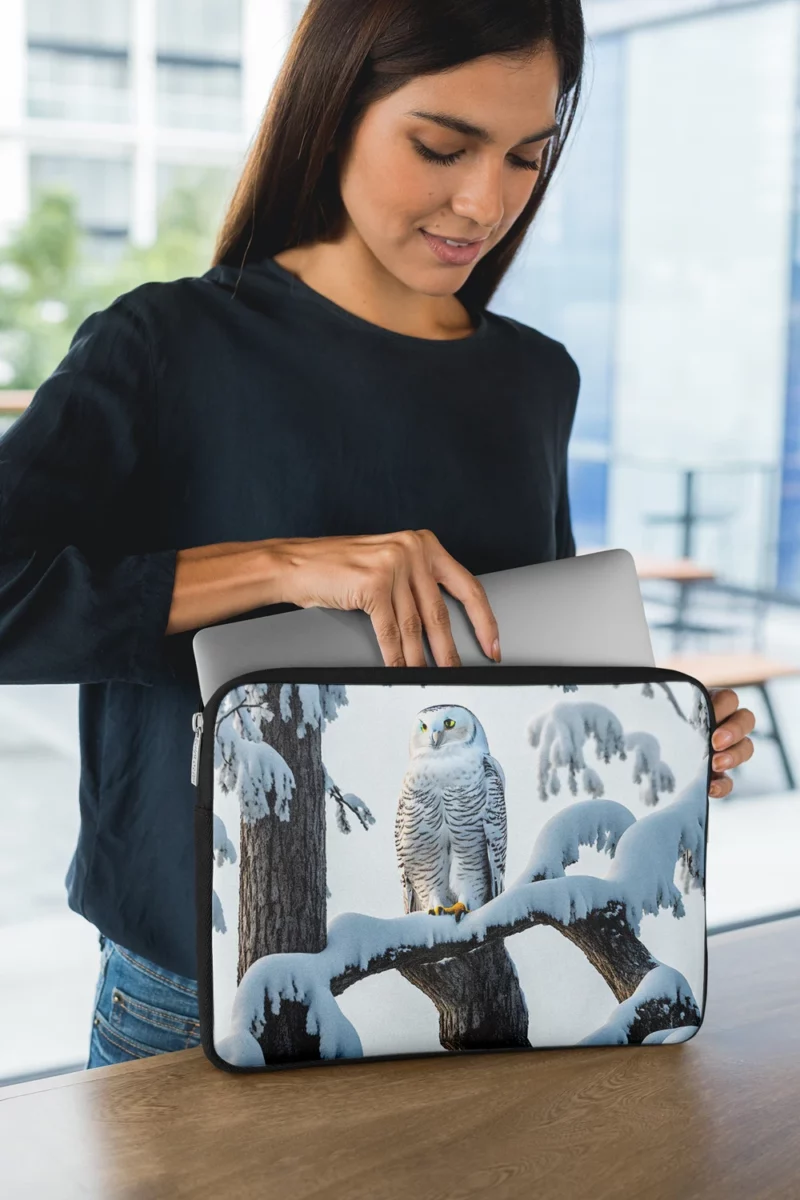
pixel 456 910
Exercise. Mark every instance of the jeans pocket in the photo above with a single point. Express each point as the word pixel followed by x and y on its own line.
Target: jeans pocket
pixel 143 1010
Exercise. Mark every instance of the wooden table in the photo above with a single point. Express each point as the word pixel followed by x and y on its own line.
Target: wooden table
pixel 678 570
pixel 742 671
pixel 715 1117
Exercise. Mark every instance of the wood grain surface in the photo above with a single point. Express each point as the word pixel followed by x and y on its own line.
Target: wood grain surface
pixel 715 1117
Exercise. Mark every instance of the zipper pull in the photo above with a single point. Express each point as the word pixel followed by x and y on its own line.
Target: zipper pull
pixel 197 726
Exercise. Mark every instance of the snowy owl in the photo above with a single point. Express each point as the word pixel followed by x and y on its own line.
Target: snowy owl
pixel 450 832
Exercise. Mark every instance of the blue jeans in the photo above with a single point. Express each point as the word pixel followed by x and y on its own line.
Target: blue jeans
pixel 140 1009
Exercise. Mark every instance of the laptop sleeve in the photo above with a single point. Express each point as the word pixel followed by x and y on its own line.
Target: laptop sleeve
pixel 414 860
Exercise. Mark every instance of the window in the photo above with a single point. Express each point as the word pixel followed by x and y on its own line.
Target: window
pixel 78 64
pixel 199 64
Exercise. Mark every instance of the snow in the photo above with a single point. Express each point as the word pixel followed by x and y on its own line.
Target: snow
pixel 599 823
pixel 240 1049
pixel 285 701
pixel 644 865
pixel 363 943
pixel 275 978
pixel 224 849
pixel 647 763
pixel 333 696
pixel 562 731
pixel 217 916
pixel 681 1034
pixel 253 770
pixel 662 983
pixel 346 800
pixel 308 694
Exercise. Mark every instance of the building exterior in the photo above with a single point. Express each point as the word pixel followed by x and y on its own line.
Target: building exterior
pixel 666 259
pixel 664 256
pixel 122 99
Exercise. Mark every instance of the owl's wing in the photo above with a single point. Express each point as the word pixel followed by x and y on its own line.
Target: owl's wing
pixel 409 898
pixel 495 826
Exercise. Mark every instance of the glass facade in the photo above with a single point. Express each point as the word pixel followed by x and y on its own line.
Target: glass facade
pixel 789 529
pixel 661 258
pixel 78 60
pixel 565 280
pixel 199 72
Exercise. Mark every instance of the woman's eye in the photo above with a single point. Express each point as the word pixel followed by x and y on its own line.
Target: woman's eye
pixel 447 160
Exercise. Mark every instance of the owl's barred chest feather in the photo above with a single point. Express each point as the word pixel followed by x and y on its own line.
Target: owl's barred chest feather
pixel 450 830
pixel 443 784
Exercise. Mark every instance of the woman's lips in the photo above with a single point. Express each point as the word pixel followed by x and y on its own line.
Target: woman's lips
pixel 452 255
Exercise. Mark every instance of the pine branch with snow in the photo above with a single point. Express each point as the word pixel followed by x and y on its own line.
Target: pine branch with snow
pixel 217 916
pixel 663 993
pixel 648 769
pixel 562 732
pixel 245 762
pixel 224 849
pixel 347 802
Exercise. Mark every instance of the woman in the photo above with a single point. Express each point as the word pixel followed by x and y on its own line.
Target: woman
pixel 328 417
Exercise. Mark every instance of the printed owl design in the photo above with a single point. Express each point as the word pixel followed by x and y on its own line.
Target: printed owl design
pixel 451 833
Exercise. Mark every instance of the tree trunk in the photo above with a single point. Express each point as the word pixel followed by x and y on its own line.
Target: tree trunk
pixel 282 880
pixel 613 949
pixel 478 997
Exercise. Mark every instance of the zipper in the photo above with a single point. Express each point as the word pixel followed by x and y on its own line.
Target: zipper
pixel 197 726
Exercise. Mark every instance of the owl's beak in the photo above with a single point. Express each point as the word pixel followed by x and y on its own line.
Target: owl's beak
pixel 436 738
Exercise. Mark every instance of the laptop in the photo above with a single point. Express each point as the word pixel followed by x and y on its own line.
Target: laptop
pixel 585 610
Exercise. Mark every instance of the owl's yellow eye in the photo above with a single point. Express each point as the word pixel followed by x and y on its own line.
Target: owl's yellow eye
pixel 449 723
pixel 422 725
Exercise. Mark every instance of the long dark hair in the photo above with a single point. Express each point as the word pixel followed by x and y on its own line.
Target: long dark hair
pixel 344 56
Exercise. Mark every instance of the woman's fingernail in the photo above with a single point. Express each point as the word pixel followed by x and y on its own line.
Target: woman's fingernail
pixel 721 761
pixel 496 650
pixel 714 789
pixel 723 738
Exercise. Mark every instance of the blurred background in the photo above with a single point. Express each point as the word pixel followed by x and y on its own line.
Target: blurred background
pixel 665 257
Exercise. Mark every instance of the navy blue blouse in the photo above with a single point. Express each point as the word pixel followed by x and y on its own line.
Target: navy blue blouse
pixel 201 411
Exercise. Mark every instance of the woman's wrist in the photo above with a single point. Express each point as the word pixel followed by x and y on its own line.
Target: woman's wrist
pixel 223 580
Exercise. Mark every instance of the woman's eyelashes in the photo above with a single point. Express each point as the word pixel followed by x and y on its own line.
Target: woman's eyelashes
pixel 447 160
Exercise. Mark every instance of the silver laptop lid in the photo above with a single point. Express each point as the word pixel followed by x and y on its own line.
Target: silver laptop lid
pixel 585 610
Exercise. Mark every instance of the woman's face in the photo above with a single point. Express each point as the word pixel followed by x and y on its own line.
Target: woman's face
pixel 392 191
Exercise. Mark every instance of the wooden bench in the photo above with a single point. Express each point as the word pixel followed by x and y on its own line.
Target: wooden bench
pixel 12 403
pixel 741 671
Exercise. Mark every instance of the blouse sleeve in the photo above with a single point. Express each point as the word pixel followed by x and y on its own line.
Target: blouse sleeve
pixel 82 599
pixel 565 540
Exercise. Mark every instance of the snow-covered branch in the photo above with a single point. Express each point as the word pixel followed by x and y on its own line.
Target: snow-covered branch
pixel 562 731
pixel 599 823
pixel 640 880
pixel 663 990
pixel 224 849
pixel 648 769
pixel 347 802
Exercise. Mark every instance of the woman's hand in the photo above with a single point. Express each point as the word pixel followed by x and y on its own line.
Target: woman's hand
pixel 394 578
pixel 729 738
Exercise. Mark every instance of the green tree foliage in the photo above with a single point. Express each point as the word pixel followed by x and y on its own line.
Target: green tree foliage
pixel 50 280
